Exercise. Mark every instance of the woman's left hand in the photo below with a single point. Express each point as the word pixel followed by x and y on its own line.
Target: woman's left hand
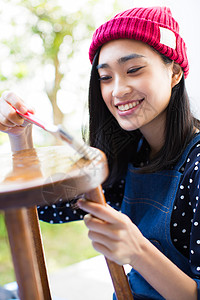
pixel 113 233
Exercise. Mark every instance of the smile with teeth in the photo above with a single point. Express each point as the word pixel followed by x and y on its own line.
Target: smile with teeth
pixel 128 105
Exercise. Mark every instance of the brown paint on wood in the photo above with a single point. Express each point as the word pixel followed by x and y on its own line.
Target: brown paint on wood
pixel 43 176
pixel 38 248
pixel 117 273
pixel 24 259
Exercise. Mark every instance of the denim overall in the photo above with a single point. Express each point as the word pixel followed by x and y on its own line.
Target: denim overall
pixel 149 201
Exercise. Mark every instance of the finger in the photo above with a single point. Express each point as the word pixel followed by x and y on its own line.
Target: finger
pixel 103 250
pixel 9 116
pixel 4 128
pixel 102 239
pixel 103 212
pixel 102 227
pixel 15 101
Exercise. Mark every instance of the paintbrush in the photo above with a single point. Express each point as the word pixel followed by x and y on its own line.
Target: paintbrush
pixel 60 133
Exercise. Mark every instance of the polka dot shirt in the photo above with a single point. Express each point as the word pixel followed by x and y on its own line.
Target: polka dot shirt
pixel 185 220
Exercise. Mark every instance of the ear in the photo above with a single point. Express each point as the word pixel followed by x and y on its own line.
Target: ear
pixel 177 74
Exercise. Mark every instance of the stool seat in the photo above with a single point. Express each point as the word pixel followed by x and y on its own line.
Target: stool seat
pixel 41 176
pixel 45 176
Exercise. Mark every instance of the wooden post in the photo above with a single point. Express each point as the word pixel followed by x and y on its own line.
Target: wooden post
pixel 119 278
pixel 23 254
pixel 38 246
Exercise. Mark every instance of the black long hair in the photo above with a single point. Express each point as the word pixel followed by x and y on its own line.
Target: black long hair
pixel 120 146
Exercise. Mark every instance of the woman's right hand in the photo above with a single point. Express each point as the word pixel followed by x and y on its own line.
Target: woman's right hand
pixel 10 121
pixel 18 130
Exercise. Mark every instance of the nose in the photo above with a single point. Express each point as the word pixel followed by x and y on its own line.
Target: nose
pixel 121 88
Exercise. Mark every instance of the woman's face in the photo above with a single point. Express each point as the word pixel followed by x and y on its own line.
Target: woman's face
pixel 135 83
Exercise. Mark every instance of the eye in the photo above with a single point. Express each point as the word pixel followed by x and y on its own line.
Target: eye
pixel 104 78
pixel 134 70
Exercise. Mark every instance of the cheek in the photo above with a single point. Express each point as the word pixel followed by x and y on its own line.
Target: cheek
pixel 158 90
pixel 106 94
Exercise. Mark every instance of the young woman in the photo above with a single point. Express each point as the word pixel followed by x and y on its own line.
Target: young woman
pixel 140 117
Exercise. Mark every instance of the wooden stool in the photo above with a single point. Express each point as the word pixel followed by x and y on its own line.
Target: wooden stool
pixel 41 177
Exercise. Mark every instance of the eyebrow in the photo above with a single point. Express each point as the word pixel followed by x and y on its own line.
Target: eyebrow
pixel 121 60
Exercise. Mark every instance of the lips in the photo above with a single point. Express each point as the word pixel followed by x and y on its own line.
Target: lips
pixel 128 106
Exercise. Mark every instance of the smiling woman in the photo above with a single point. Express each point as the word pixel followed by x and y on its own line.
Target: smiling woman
pixel 140 117
pixel 140 109
pixel 128 85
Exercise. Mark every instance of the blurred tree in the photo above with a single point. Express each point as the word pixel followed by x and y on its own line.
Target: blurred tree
pixel 51 27
pixel 54 26
pixel 46 33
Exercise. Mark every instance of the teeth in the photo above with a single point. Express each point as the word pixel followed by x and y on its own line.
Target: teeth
pixel 128 106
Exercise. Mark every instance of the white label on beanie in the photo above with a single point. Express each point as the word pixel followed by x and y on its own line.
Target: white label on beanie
pixel 167 37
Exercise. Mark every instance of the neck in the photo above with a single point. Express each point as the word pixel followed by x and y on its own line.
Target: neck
pixel 154 133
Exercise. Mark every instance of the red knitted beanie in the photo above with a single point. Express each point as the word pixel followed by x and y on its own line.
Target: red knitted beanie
pixel 153 25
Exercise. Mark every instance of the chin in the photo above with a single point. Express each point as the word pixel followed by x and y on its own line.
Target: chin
pixel 128 127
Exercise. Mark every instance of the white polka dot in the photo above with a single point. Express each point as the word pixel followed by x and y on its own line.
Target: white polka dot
pixel 198 186
pixel 191 220
pixel 42 212
pixel 188 187
pixel 51 222
pixel 194 210
pixel 182 169
pixel 185 247
pixel 192 251
pixel 181 187
pixel 60 222
pixel 38 206
pixel 117 204
pixel 175 240
pixel 198 268
pixel 54 214
pixel 175 224
pixel 74 212
pixel 196 223
pixel 196 168
pixel 175 207
pixel 190 203
pixel 67 205
pixel 183 214
pixel 198 154
pixel 197 198
pixel 66 218
pixel 196 163
pixel 60 213
pixel 198 145
pixel 188 160
pixel 190 180
pixel 46 207
pixel 182 197
pixel 198 242
pixel 184 231
pixel 60 199
pixel 81 217
pixel 53 206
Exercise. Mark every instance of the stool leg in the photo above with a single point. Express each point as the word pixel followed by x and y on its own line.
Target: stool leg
pixel 37 238
pixel 119 278
pixel 23 254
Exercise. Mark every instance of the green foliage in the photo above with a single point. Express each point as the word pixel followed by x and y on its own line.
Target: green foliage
pixel 61 243
pixel 6 268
